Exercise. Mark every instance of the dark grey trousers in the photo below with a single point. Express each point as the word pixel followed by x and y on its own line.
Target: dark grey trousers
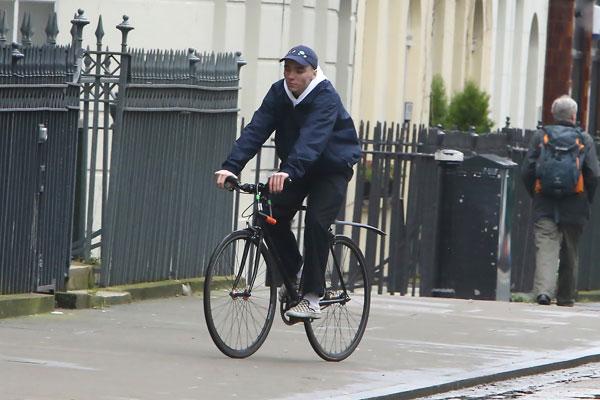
pixel 557 259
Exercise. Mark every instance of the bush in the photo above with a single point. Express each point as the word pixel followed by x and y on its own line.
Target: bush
pixel 439 101
pixel 470 108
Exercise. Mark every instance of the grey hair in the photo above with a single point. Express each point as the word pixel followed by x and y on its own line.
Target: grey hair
pixel 564 108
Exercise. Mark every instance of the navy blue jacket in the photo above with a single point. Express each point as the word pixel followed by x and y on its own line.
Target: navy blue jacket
pixel 316 136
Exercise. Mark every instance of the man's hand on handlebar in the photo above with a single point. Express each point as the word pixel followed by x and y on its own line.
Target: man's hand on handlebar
pixel 221 175
pixel 276 182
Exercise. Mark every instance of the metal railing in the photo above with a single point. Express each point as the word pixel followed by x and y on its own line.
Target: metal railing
pixel 143 132
pixel 132 140
pixel 397 188
pixel 38 116
pixel 162 205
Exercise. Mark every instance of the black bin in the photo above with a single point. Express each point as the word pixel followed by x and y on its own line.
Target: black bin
pixel 473 258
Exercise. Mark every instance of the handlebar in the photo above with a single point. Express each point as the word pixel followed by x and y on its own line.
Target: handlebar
pixel 232 184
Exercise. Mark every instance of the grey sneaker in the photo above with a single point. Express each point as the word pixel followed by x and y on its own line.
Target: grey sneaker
pixel 303 310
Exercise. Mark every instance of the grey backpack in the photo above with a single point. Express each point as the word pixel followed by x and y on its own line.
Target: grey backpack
pixel 558 168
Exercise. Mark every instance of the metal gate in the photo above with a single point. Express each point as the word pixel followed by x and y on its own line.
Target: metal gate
pixel 102 79
pixel 38 118
pixel 153 123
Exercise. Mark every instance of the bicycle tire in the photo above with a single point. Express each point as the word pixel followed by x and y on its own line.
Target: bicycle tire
pixel 338 332
pixel 238 324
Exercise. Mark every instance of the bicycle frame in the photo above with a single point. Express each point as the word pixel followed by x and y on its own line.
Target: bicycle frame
pixel 260 192
pixel 250 270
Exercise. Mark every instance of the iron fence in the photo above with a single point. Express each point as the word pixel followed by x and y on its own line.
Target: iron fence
pixel 152 122
pixel 162 204
pixel 38 116
pixel 397 188
pixel 132 137
pixel 143 130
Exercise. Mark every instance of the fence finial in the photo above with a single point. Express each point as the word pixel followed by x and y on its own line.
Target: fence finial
pixel 106 62
pixel 239 60
pixel 15 53
pixel 539 125
pixel 99 33
pixel 124 27
pixel 26 31
pixel 193 59
pixel 507 123
pixel 87 61
pixel 439 138
pixel 79 22
pixel 3 27
pixel 51 29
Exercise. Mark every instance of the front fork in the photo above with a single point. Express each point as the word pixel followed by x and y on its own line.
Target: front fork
pixel 338 279
pixel 253 260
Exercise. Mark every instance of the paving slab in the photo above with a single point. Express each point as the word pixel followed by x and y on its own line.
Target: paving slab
pixel 160 349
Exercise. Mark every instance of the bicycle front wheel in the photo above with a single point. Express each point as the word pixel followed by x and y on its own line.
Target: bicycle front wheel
pixel 239 299
pixel 337 333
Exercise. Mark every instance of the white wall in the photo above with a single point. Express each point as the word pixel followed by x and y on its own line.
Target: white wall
pixel 492 48
pixel 513 93
pixel 263 30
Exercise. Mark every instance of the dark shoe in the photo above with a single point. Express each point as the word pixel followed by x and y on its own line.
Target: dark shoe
pixel 569 303
pixel 543 299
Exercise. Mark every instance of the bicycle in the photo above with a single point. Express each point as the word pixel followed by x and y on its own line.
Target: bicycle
pixel 240 290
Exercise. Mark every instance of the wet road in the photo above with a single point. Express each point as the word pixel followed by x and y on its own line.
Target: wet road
pixel 577 383
pixel 161 350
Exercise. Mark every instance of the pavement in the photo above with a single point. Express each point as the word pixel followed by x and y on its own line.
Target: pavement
pixel 413 347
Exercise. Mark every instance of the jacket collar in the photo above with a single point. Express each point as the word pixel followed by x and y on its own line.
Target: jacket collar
pixel 566 123
pixel 311 86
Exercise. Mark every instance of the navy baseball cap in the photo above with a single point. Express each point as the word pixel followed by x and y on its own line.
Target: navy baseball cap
pixel 303 55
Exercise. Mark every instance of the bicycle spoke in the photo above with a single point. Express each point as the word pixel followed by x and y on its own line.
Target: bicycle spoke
pixel 337 333
pixel 238 313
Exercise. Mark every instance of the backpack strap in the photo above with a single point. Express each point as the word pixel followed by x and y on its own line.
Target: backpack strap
pixel 537 185
pixel 580 139
pixel 579 188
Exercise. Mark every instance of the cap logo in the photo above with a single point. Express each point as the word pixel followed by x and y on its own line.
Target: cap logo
pixel 306 57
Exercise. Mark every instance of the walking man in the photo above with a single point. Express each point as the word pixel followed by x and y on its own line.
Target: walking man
pixel 561 173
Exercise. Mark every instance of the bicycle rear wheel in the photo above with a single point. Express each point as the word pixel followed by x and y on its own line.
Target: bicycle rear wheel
pixel 239 300
pixel 337 333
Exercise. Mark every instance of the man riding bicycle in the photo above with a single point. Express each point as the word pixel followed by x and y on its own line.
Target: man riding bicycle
pixel 316 141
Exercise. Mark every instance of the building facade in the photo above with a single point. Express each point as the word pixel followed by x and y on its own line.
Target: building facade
pixel 498 44
pixel 380 54
pixel 263 30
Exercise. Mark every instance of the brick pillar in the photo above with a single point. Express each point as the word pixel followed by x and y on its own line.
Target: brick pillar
pixel 559 45
pixel 586 73
pixel 586 80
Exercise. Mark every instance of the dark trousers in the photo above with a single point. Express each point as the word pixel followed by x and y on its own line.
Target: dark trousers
pixel 325 195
